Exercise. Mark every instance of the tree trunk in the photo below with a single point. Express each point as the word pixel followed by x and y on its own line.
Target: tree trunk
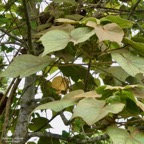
pixel 26 108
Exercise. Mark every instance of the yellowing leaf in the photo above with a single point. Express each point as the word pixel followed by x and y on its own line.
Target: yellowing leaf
pixel 54 40
pixel 26 65
pixel 92 110
pixel 92 94
pixel 111 32
pixel 120 87
pixel 60 84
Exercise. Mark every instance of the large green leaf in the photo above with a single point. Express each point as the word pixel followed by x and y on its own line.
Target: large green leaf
pixel 59 105
pixel 26 65
pixel 92 110
pixel 81 34
pixel 122 136
pixel 111 32
pixel 123 23
pixel 136 45
pixel 54 40
pixel 131 63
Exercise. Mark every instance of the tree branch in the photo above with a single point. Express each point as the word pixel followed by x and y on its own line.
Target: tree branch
pixel 29 34
pixel 8 105
pixel 69 139
pixel 133 8
pixel 26 108
pixel 87 75
pixel 10 35
pixel 5 95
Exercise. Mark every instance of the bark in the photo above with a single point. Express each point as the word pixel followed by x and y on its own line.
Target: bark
pixel 27 106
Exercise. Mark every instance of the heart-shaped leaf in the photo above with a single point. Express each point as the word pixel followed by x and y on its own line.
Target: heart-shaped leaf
pixel 92 110
pixel 111 32
pixel 54 40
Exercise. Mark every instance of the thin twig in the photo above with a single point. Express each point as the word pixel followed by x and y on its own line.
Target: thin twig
pixel 10 35
pixel 140 27
pixel 64 119
pixel 14 21
pixel 8 105
pixel 9 43
pixel 133 8
pixel 5 95
pixel 87 75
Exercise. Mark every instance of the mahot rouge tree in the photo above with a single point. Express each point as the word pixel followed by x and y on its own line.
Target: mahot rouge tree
pixel 83 58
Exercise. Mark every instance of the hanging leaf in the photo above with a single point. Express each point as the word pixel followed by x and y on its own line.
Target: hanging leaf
pixel 122 136
pixel 54 40
pixel 26 65
pixel 92 110
pixel 60 84
pixel 81 34
pixel 123 23
pixel 111 32
pixel 131 63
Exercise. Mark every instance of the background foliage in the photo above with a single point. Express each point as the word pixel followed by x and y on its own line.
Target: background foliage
pixel 83 57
